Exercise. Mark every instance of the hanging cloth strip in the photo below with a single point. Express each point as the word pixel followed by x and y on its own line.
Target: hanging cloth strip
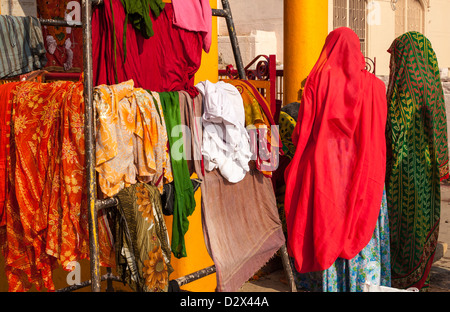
pixel 131 139
pixel 184 202
pixel 142 241
pixel 5 128
pixel 21 45
pixel 153 64
pixel 241 226
pixel 138 13
pixel 194 15
pixel 46 209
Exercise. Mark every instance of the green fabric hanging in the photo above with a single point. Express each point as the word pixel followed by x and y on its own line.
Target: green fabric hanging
pixel 184 202
pixel 138 13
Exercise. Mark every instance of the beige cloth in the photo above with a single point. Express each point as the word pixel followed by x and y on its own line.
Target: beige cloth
pixel 191 110
pixel 241 226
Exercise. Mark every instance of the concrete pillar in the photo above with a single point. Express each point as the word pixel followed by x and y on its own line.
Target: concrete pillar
pixel 305 30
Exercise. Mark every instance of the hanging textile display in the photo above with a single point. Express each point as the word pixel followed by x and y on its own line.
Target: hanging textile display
pixel 64 45
pixel 184 202
pixel 226 142
pixel 131 138
pixel 5 128
pixel 194 15
pixel 46 209
pixel 241 226
pixel 21 45
pixel 264 137
pixel 191 110
pixel 154 63
pixel 417 158
pixel 142 242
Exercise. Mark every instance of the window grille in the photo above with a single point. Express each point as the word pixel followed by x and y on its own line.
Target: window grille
pixel 352 14
pixel 409 16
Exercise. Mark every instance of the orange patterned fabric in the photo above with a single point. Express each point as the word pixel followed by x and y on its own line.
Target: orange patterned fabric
pixel 46 210
pixel 131 140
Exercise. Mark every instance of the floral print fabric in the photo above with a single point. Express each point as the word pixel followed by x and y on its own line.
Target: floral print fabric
pixel 371 265
pixel 131 138
pixel 142 240
pixel 46 211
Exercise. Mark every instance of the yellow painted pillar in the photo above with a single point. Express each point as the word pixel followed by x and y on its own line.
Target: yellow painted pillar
pixel 197 255
pixel 305 30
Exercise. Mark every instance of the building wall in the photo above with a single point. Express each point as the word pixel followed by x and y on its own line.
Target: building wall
pixel 381 33
pixel 438 31
pixel 259 26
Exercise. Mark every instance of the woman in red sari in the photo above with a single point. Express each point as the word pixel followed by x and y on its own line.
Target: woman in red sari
pixel 335 181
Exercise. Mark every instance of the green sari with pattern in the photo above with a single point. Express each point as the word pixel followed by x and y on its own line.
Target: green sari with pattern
pixel 417 158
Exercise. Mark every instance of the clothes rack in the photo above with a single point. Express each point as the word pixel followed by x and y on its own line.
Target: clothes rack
pixel 95 204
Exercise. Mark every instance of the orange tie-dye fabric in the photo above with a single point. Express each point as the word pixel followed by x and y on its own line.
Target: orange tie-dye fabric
pixel 131 138
pixel 46 210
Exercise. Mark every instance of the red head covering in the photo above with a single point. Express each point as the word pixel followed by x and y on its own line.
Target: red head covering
pixel 334 183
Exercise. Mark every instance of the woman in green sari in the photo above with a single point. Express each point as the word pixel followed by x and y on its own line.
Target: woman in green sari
pixel 417 158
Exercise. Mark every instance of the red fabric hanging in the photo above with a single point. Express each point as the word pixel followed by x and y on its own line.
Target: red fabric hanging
pixel 334 183
pixel 167 61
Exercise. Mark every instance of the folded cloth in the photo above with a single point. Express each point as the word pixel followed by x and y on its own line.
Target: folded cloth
pixel 241 226
pixel 21 45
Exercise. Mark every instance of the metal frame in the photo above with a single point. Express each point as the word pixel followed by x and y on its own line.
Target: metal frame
pixel 94 204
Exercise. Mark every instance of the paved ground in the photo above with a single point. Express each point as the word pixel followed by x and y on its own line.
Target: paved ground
pixel 440 272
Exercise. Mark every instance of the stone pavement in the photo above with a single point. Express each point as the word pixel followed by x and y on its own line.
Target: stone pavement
pixel 275 281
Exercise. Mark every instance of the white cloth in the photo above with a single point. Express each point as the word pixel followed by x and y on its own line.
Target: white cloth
pixel 226 143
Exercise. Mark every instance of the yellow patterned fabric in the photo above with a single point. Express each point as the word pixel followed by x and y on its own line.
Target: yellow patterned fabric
pixel 131 138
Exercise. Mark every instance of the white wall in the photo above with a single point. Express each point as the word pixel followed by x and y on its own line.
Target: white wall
pixel 437 30
pixel 259 26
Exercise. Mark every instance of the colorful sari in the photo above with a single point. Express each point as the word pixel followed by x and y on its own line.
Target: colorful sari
pixel 335 181
pixel 46 208
pixel 417 158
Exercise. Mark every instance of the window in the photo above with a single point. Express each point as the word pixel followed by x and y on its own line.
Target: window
pixel 409 16
pixel 352 14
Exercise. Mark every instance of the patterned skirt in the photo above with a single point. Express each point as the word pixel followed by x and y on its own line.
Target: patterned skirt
pixel 371 265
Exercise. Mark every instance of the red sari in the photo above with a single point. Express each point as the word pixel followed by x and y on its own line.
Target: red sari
pixel 334 183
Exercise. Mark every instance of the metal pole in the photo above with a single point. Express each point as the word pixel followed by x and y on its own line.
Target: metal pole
pixel 287 268
pixel 86 14
pixel 233 39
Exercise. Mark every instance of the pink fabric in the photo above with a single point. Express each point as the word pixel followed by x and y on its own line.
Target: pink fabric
pixel 194 15
pixel 167 61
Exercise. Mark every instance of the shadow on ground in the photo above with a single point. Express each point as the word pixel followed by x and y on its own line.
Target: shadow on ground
pixel 440 275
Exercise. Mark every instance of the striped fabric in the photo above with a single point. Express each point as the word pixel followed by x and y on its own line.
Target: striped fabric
pixel 21 45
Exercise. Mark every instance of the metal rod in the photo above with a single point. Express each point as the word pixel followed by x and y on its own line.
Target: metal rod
pixel 287 268
pixel 86 16
pixel 65 23
pixel 233 39
pixel 195 276
pixel 106 203
pixel 219 12
pixel 106 277
pixel 55 22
